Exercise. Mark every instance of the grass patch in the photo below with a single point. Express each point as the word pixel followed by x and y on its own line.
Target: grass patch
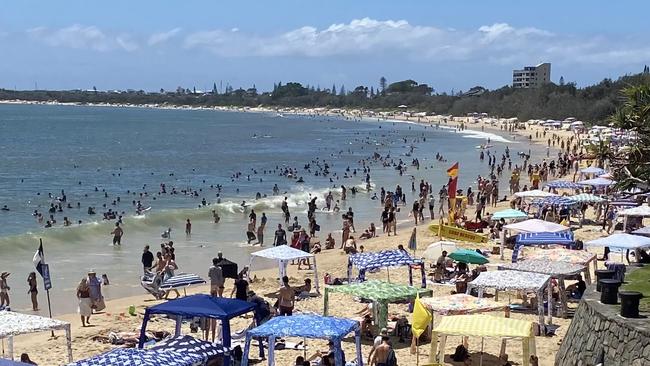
pixel 639 280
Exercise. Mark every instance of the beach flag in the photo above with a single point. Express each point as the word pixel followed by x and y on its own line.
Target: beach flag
pixel 413 245
pixel 420 320
pixel 453 180
pixel 39 259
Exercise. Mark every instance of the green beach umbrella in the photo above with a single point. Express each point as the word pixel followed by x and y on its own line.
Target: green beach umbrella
pixel 468 256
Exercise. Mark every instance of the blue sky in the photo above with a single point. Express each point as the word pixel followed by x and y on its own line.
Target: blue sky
pixel 447 44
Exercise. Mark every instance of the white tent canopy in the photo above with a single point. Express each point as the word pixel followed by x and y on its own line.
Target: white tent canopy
pixel 621 240
pixel 509 280
pixel 643 210
pixel 535 193
pixel 536 226
pixel 509 214
pixel 283 254
pixel 598 182
pixel 434 250
pixel 13 324
pixel 592 170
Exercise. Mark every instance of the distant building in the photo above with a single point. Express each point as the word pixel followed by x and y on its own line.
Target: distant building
pixel 532 76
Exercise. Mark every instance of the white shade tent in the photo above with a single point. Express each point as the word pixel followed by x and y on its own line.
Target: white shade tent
pixel 622 241
pixel 13 324
pixel 535 193
pixel 283 254
pixel 531 226
pixel 643 210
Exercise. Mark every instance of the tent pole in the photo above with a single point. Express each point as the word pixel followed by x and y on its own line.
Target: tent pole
pixel 10 347
pixel 68 340
pixel 482 341
pixel 388 272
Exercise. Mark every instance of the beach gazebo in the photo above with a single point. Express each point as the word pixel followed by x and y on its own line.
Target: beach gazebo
pixel 563 184
pixel 306 326
pixel 535 193
pixel 482 326
pixel 13 324
pixel 544 238
pixel 5 362
pixel 134 356
pixel 581 257
pixel 621 241
pixel 285 254
pixel 558 270
pixel 531 226
pixel 381 293
pixel 201 306
pixel 463 304
pixel 384 259
pixel 513 281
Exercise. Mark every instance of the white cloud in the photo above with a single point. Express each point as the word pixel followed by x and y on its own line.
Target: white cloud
pixel 83 37
pixel 499 43
pixel 162 37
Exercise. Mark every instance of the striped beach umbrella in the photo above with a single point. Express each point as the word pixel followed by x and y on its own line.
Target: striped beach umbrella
pixel 555 201
pixel 563 184
pixel 545 238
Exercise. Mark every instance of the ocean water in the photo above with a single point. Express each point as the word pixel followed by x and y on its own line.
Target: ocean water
pixel 97 154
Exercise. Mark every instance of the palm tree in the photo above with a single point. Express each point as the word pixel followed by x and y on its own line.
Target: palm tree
pixel 632 165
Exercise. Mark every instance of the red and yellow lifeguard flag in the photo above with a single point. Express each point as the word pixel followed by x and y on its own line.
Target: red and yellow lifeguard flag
pixel 453 180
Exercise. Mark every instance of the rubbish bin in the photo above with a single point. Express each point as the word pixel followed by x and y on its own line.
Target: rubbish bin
pixel 630 303
pixel 603 274
pixel 609 291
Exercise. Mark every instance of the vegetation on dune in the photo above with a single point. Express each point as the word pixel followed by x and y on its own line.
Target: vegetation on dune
pixel 593 104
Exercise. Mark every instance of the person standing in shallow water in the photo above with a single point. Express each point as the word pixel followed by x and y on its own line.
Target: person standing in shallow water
pixel 188 228
pixel 33 290
pixel 117 234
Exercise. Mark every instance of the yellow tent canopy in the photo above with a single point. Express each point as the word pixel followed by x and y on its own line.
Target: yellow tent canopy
pixel 482 326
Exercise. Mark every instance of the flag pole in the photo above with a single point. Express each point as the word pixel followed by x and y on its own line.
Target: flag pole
pixel 47 290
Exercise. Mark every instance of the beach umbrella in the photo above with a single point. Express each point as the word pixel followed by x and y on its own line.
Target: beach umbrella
pixel 468 256
pixel 621 240
pixel 645 231
pixel 434 251
pixel 509 214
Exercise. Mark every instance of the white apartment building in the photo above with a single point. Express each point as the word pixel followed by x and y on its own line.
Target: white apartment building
pixel 532 76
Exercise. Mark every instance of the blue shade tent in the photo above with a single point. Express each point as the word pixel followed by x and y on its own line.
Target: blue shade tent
pixel 5 362
pixel 587 198
pixel 203 306
pixel 384 258
pixel 509 214
pixel 543 238
pixel 189 344
pixel 645 231
pixel 306 326
pixel 133 357
pixel 563 184
pixel 554 201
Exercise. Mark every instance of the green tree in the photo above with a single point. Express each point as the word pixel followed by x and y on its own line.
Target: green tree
pixel 632 164
pixel 333 89
pixel 342 91
pixel 561 80
pixel 382 85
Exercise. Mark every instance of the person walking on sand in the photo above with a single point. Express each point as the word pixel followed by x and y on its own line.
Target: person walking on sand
pixel 85 304
pixel 260 235
pixel 286 298
pixel 217 281
pixel 117 234
pixel 280 236
pixel 4 290
pixel 188 228
pixel 33 290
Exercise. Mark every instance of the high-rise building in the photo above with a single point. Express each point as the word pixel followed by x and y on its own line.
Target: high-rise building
pixel 531 76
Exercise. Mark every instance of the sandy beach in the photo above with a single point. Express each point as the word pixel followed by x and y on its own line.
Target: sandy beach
pixel 116 318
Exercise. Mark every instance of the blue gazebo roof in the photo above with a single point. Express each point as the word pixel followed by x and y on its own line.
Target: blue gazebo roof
pixel 563 184
pixel 205 306
pixel 384 258
pixel 563 238
pixel 306 326
pixel 133 356
pixel 5 362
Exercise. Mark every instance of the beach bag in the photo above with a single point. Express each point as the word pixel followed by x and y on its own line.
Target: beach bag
pixel 391 359
pixel 99 305
pixel 461 354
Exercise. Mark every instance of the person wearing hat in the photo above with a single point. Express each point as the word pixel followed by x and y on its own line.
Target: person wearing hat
pixel 95 286
pixel 4 290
